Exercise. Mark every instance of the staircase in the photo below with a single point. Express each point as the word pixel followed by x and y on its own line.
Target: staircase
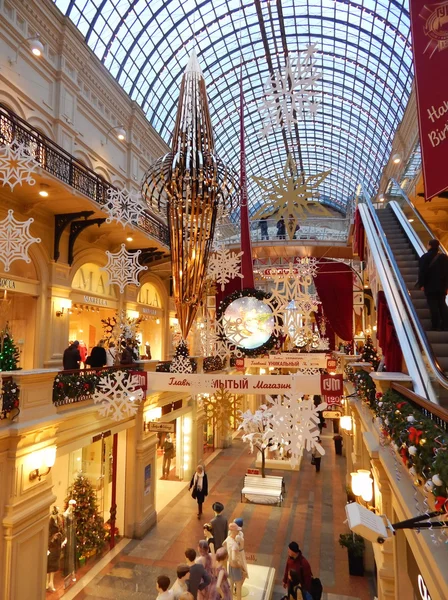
pixel 407 261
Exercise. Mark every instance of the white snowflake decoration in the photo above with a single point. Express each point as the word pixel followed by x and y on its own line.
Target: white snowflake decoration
pixel 224 265
pixel 117 395
pixel 323 344
pixel 290 93
pixel 15 239
pixel 181 364
pixel 123 267
pixel 295 424
pixel 124 206
pixel 17 164
pixel 257 428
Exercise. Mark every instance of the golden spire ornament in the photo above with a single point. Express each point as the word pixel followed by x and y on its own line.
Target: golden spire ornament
pixel 186 186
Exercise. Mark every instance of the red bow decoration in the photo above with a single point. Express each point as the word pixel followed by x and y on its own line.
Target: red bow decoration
pixel 401 404
pixel 415 435
pixel 404 454
pixel 441 503
pixel 378 395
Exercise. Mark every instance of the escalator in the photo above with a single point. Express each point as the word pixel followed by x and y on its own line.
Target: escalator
pixel 406 257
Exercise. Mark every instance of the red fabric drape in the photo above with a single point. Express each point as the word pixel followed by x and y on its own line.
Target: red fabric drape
pixel 358 236
pixel 387 336
pixel 329 331
pixel 334 284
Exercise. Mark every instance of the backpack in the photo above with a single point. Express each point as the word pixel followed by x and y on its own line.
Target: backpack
pixel 316 588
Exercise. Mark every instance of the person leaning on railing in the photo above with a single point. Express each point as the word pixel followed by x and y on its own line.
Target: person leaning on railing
pixel 71 357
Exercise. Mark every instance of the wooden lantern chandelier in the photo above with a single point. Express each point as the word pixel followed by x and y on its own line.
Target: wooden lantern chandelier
pixel 187 186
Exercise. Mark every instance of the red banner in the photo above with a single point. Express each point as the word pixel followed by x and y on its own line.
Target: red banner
pixel 430 47
pixel 139 380
pixel 332 388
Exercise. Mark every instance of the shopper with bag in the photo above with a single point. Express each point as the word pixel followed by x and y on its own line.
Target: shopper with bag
pixel 199 487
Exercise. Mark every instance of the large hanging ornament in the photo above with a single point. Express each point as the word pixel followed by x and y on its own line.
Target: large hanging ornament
pixel 15 239
pixel 123 267
pixel 222 410
pixel 291 198
pixel 124 206
pixel 186 186
pixel 118 395
pixel 17 164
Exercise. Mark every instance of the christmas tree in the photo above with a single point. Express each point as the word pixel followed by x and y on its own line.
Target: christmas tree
pixel 348 348
pixel 369 353
pixel 90 532
pixel 9 353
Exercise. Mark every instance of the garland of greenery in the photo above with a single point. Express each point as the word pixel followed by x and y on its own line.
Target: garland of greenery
pixel 10 399
pixel 213 363
pixel 421 443
pixel 248 293
pixel 365 387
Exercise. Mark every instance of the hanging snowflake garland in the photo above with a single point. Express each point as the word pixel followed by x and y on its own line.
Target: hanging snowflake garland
pixel 17 164
pixel 15 239
pixel 117 395
pixel 295 424
pixel 123 267
pixel 291 93
pixel 223 266
pixel 124 206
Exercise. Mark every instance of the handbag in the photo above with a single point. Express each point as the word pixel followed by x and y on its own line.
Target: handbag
pixel 194 493
pixel 313 461
pixel 316 588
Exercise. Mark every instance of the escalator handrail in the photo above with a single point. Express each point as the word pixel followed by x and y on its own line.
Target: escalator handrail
pixel 416 213
pixel 440 376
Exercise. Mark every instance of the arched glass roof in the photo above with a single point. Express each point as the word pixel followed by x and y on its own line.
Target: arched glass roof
pixel 363 54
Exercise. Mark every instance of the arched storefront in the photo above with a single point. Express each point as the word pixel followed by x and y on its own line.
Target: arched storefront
pixel 94 299
pixel 152 327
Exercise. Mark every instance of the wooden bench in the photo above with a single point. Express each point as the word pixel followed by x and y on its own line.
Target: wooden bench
pixel 265 487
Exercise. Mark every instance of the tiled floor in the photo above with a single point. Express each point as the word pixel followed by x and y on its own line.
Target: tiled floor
pixel 312 514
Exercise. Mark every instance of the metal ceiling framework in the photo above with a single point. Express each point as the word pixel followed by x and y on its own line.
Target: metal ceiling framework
pixel 364 55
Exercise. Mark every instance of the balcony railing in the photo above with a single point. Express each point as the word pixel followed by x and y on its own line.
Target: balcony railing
pixel 56 161
pixel 317 229
pixel 9 401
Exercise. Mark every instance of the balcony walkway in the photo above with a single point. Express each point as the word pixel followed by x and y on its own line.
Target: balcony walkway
pixel 312 514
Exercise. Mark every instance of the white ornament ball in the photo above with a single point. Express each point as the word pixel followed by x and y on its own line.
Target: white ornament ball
pixel 436 480
pixel 412 450
pixel 380 404
pixel 410 419
pixel 386 421
pixel 429 486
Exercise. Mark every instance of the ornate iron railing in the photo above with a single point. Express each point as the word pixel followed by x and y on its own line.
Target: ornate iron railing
pixel 59 163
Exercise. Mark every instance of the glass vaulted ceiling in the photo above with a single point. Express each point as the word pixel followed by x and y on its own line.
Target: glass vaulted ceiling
pixel 364 55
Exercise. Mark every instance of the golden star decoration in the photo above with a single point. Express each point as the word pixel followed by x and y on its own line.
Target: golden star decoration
pixel 288 196
pixel 223 410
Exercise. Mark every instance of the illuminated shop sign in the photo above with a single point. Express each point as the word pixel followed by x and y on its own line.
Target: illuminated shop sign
pixel 97 301
pixel 7 283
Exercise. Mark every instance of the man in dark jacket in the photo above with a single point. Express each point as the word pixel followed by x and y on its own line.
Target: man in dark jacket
pixel 219 525
pixel 127 356
pixel 199 578
pixel 433 280
pixel 296 562
pixel 71 357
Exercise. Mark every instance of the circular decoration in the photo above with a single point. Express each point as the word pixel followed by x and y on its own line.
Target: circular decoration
pixel 247 322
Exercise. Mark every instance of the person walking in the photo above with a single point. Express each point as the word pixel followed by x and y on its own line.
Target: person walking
pixel 297 562
pixel 433 280
pixel 199 483
pixel 98 356
pixel 71 357
pixel 168 455
pixel 316 457
pixel 199 578
pixel 219 524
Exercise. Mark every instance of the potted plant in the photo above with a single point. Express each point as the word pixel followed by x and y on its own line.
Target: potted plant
pixel 355 546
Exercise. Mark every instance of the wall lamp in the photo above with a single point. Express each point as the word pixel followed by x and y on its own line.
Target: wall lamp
pixel 362 484
pixel 396 158
pixel 36 47
pixel 42 458
pixel 345 423
pixel 120 133
pixel 64 303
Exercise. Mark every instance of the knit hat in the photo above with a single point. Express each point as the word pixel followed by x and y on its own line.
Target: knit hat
pixel 239 522
pixel 218 507
pixel 294 546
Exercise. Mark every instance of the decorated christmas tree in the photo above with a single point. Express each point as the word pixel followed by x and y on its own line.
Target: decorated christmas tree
pixel 348 348
pixel 369 353
pixel 181 362
pixel 90 532
pixel 9 353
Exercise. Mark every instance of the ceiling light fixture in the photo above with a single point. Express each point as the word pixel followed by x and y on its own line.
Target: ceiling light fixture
pixel 129 239
pixel 396 158
pixel 381 197
pixel 43 190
